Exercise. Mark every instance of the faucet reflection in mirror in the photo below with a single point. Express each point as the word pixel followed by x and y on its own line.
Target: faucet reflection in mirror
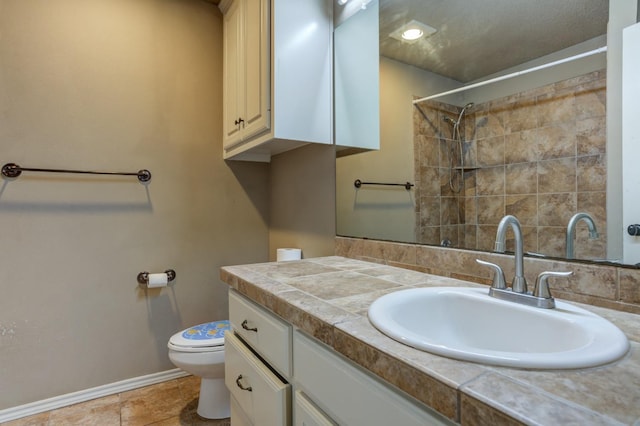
pixel 571 231
pixel 539 155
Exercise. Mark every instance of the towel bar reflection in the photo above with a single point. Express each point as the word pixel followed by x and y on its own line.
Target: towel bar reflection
pixel 358 183
pixel 12 170
pixel 143 277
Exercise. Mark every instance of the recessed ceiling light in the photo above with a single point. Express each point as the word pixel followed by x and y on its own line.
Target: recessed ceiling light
pixel 412 34
pixel 412 31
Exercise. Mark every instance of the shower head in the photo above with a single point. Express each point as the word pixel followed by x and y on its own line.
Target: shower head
pixel 469 105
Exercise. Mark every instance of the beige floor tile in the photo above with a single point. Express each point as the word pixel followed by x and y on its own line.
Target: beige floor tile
pixel 172 403
pixel 41 419
pixel 173 421
pixel 189 387
pixel 99 412
pixel 189 417
pixel 151 404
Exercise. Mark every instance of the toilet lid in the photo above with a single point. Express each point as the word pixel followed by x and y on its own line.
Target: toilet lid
pixel 202 335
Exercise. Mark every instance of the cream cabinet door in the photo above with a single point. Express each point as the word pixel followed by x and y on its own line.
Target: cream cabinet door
pixel 232 73
pixel 350 395
pixel 257 79
pixel 247 84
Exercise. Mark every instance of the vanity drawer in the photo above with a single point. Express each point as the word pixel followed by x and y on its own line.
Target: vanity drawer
pixel 264 332
pixel 307 414
pixel 255 390
pixel 238 416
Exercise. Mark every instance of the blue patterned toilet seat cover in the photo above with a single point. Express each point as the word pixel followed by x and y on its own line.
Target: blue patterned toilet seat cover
pixel 207 334
pixel 210 330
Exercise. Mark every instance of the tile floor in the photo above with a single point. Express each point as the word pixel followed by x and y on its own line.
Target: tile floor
pixel 170 403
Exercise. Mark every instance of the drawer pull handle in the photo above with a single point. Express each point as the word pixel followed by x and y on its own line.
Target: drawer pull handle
pixel 241 386
pixel 246 326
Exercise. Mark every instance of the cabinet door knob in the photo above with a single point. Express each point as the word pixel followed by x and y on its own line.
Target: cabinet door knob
pixel 245 325
pixel 239 121
pixel 241 386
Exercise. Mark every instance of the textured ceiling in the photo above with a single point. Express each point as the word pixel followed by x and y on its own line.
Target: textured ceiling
pixel 476 38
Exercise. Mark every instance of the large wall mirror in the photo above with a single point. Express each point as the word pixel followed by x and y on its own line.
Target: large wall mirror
pixel 534 146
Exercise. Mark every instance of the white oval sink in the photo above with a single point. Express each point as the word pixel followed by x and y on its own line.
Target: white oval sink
pixel 468 324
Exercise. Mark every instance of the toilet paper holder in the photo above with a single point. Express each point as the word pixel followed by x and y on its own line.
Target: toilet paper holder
pixel 143 277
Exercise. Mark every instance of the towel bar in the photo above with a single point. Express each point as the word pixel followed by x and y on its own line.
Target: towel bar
pixel 12 170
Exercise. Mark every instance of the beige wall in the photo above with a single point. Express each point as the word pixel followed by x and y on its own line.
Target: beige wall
pixel 302 201
pixel 113 85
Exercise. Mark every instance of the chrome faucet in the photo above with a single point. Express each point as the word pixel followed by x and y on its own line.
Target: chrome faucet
pixel 519 283
pixel 571 231
pixel 541 295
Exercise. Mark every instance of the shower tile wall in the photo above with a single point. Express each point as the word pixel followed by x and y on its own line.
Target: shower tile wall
pixel 539 155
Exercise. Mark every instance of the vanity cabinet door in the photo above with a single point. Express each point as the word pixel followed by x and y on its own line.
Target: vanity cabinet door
pixel 262 397
pixel 350 395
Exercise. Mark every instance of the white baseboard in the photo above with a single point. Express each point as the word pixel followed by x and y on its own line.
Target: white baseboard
pixel 88 394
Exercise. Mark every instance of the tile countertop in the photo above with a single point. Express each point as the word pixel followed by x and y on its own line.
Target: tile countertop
pixel 328 298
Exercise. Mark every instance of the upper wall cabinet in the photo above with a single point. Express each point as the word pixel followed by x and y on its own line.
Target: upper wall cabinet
pixel 277 81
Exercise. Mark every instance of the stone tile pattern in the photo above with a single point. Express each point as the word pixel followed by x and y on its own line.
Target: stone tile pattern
pixel 539 155
pixel 171 403
pixel 605 285
pixel 328 298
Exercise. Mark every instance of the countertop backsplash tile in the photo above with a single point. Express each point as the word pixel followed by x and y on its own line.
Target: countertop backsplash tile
pixel 606 285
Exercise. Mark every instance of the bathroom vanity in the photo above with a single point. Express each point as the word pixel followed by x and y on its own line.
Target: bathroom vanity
pixel 260 354
pixel 315 348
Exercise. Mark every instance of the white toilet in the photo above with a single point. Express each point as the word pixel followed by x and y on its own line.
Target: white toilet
pixel 199 350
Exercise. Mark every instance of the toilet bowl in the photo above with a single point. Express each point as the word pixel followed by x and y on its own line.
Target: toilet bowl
pixel 199 350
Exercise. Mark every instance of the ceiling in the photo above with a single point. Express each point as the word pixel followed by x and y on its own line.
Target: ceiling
pixel 477 38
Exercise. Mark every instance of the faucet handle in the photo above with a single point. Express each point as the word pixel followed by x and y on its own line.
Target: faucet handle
pixel 498 276
pixel 542 286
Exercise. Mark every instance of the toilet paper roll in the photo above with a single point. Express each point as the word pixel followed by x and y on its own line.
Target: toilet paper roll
pixel 158 280
pixel 285 254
